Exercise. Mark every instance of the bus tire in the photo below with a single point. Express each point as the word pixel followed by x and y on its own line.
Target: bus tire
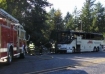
pixel 95 49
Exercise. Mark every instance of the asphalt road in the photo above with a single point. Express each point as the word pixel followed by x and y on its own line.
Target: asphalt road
pixel 78 63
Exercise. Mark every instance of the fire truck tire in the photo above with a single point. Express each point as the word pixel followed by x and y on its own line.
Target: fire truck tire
pixel 9 58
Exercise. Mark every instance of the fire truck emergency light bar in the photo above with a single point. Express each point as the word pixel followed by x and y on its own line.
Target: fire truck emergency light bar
pixel 6 15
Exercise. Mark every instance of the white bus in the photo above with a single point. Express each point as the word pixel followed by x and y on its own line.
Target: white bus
pixel 70 41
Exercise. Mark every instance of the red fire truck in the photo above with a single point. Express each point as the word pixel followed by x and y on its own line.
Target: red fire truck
pixel 12 38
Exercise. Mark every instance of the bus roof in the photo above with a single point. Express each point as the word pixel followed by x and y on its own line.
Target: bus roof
pixel 69 31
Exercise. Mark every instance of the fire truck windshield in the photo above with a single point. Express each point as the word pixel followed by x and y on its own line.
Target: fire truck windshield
pixel 21 32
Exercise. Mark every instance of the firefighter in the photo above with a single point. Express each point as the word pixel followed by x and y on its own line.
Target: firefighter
pixel 32 48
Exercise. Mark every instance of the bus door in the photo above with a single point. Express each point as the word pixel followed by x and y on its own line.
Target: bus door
pixel 78 44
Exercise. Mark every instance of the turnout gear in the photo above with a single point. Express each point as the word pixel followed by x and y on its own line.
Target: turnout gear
pixel 32 48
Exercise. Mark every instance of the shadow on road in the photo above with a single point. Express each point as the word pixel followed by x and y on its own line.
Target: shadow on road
pixel 61 70
pixel 3 64
pixel 75 72
pixel 59 62
pixel 84 54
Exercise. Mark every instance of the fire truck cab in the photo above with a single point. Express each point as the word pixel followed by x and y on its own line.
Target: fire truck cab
pixel 12 38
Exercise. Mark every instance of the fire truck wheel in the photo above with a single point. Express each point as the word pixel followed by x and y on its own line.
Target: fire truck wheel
pixel 9 59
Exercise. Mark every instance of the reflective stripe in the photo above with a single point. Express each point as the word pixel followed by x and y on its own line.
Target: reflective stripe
pixel 16 54
pixel 15 48
pixel 31 46
pixel 3 49
pixel 4 57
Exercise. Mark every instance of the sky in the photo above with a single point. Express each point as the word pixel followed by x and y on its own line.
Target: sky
pixel 68 5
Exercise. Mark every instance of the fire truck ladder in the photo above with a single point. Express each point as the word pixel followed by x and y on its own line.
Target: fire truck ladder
pixel 6 15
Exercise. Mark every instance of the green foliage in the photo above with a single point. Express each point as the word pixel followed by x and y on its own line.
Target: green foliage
pixel 42 26
pixel 3 4
pixel 32 13
pixel 86 15
pixel 104 34
pixel 55 23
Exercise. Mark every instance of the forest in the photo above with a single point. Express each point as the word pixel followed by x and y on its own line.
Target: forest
pixel 42 25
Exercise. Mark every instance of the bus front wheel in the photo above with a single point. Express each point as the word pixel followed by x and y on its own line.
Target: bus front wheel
pixel 95 49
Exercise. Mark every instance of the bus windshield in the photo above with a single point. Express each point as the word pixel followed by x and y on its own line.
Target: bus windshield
pixel 64 37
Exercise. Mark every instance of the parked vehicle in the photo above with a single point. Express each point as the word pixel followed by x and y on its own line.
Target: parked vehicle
pixel 12 38
pixel 71 41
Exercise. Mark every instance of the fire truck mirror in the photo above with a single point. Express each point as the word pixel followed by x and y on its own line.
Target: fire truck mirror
pixel 28 38
pixel 18 32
